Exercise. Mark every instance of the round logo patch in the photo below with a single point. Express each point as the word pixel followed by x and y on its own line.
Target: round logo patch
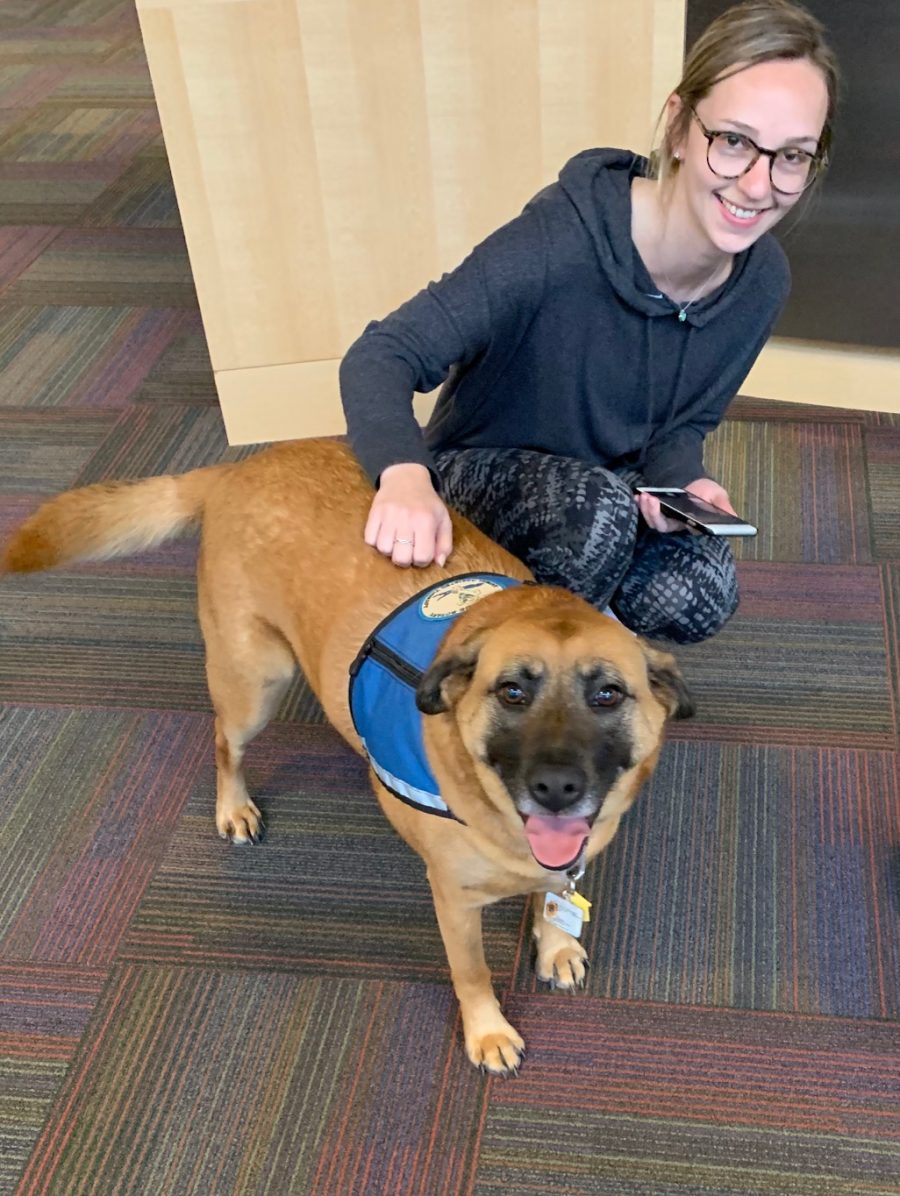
pixel 455 596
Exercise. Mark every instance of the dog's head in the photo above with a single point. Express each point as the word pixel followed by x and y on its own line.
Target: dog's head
pixel 560 709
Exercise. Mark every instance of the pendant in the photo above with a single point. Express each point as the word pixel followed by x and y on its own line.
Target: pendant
pixel 682 316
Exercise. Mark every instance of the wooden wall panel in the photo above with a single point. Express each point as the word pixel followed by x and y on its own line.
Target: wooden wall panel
pixel 331 156
pixel 230 84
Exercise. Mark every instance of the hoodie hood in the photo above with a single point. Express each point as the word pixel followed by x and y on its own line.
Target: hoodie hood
pixel 597 182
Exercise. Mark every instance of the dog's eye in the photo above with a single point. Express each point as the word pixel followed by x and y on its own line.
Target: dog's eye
pixel 511 694
pixel 605 698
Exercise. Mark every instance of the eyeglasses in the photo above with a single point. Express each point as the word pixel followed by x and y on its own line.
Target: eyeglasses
pixel 731 155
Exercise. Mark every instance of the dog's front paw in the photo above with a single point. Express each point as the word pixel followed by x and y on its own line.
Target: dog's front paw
pixel 240 824
pixel 564 967
pixel 500 1051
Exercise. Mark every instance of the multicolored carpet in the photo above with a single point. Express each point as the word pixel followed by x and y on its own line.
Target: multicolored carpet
pixel 180 1017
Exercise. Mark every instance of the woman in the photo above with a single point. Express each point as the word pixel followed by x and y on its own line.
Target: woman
pixel 591 344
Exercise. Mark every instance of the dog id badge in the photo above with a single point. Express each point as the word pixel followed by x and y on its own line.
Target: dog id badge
pixel 567 911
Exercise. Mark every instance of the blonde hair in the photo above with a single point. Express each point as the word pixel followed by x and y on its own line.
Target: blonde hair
pixel 749 33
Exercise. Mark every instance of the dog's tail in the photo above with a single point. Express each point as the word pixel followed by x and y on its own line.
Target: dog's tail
pixel 108 519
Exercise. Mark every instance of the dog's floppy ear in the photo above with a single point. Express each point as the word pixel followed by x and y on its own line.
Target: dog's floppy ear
pixel 450 672
pixel 667 683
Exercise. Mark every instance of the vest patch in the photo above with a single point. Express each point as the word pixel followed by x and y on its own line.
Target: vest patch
pixel 451 598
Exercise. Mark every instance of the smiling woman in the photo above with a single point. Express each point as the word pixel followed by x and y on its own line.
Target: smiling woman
pixel 849 231
pixel 749 128
pixel 592 343
pixel 720 193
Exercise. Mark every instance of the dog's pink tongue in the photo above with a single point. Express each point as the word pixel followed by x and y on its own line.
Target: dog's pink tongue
pixel 555 842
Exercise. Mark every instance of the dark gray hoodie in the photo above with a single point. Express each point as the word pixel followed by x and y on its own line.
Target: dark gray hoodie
pixel 551 335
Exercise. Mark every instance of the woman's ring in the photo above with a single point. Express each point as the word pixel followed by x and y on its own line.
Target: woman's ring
pixel 401 540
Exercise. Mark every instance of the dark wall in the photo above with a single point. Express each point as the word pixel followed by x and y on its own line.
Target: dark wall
pixel 845 248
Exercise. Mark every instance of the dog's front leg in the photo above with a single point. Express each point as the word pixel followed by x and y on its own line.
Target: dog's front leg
pixel 561 959
pixel 491 1042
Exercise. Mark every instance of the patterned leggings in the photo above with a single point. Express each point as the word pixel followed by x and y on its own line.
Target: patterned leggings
pixel 578 526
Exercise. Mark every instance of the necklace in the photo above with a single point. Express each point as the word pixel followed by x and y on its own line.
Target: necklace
pixel 682 309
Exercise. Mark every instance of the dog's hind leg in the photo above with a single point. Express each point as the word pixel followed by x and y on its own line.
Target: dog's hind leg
pixel 248 669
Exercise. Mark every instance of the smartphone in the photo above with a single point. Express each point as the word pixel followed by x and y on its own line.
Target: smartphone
pixel 697 512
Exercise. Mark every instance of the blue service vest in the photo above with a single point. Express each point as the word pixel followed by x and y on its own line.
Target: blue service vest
pixel 386 672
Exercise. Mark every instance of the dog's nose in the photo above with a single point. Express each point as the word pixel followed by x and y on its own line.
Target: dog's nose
pixel 556 786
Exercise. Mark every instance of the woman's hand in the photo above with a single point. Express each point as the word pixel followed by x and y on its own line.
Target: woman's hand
pixel 407 520
pixel 704 488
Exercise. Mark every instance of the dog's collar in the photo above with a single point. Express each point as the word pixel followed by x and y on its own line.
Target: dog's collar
pixel 572 872
pixel 575 873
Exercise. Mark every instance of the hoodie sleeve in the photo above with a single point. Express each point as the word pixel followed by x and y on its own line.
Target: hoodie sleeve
pixel 450 323
pixel 678 460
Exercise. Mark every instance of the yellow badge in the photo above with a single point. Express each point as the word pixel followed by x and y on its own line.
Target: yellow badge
pixel 455 596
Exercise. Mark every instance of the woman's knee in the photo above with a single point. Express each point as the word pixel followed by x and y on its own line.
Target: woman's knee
pixel 681 588
pixel 587 540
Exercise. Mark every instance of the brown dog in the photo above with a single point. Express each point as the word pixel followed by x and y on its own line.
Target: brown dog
pixel 544 717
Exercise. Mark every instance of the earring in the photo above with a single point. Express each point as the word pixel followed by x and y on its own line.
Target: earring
pixel 677 156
